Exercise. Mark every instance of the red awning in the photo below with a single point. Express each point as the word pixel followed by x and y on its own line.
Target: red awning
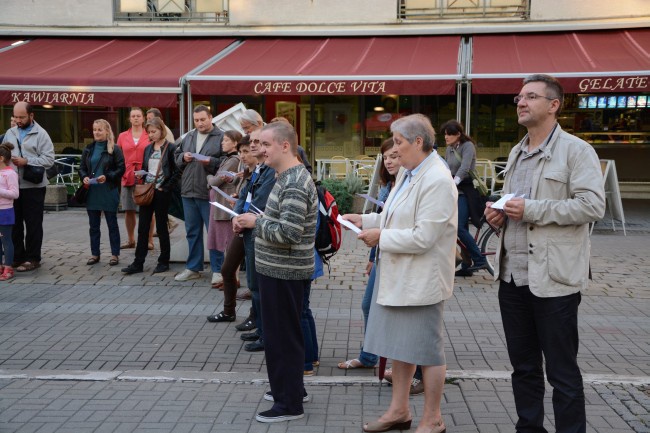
pixel 105 72
pixel 594 62
pixel 426 65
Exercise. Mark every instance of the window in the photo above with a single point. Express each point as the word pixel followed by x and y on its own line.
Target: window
pixel 156 11
pixel 428 10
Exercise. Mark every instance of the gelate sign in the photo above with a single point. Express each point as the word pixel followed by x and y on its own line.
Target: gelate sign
pixel 614 84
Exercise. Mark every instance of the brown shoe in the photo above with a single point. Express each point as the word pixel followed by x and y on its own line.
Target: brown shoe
pixel 244 296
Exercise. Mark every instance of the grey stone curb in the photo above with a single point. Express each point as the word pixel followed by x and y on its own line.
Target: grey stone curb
pixel 260 378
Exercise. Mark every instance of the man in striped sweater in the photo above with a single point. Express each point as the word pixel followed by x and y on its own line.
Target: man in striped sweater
pixel 284 259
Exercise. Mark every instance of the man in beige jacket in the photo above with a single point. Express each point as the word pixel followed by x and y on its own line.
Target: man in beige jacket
pixel 542 262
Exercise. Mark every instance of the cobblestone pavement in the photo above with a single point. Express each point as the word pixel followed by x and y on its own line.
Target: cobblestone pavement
pixel 87 349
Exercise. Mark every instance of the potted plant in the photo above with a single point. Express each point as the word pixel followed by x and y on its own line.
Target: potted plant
pixel 355 185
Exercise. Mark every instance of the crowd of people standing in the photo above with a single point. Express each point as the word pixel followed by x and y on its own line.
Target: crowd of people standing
pixel 542 261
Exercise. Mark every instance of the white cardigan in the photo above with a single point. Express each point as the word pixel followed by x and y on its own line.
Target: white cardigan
pixel 418 238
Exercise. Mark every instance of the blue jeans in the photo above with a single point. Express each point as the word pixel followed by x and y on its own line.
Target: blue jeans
pixel 366 358
pixel 197 215
pixel 251 278
pixel 94 220
pixel 6 246
pixel 464 235
pixel 216 260
pixel 308 330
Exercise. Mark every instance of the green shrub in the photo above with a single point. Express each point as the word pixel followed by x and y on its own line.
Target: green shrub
pixel 340 192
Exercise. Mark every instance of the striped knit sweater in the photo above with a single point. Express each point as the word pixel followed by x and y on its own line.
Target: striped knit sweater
pixel 284 243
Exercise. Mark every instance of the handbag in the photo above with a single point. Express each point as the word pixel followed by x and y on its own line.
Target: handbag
pixel 479 185
pixel 81 194
pixel 31 173
pixel 143 193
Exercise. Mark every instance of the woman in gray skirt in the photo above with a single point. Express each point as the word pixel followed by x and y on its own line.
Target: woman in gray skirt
pixel 416 234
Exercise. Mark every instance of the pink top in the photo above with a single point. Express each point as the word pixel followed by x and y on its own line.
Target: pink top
pixel 133 154
pixel 8 187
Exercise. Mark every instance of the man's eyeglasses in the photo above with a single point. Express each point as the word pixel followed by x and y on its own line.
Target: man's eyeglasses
pixel 530 97
pixel 256 141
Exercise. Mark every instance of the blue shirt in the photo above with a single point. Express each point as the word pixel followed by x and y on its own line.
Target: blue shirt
pixel 22 132
pixel 409 174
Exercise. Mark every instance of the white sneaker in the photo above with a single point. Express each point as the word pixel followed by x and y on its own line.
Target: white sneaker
pixel 187 274
pixel 216 278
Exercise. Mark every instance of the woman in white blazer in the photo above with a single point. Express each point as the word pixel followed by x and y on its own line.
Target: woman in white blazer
pixel 416 234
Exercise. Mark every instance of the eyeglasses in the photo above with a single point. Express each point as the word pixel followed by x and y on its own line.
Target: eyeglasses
pixel 530 97
pixel 256 141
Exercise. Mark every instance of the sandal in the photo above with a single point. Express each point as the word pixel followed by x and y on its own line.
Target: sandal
pixel 93 260
pixel 28 266
pixel 351 364
pixel 114 261
pixel 127 245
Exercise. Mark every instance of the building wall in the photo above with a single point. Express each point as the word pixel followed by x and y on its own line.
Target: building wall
pixel 311 12
pixel 56 13
pixel 545 10
pixel 59 16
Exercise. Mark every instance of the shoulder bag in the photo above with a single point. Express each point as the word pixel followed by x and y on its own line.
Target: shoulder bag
pixel 143 192
pixel 81 194
pixel 31 173
pixel 479 185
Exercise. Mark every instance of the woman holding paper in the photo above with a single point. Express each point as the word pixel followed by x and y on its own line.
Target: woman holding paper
pixel 220 229
pixel 101 170
pixel 159 168
pixel 387 172
pixel 416 235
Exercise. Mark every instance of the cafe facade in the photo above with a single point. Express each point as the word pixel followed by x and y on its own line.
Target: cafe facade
pixel 342 93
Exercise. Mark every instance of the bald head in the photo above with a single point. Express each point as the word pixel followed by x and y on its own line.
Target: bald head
pixel 23 114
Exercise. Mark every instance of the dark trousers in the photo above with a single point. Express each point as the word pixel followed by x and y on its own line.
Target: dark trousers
pixel 537 329
pixel 284 345
pixel 28 229
pixel 94 220
pixel 234 256
pixel 159 207
pixel 7 246
pixel 308 330
pixel 251 278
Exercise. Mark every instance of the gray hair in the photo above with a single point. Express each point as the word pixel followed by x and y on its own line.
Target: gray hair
pixel 413 126
pixel 552 84
pixel 253 117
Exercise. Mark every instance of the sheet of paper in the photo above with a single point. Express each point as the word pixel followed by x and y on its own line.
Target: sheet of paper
pixel 200 157
pixel 228 174
pixel 224 208
pixel 224 195
pixel 502 201
pixel 92 181
pixel 256 210
pixel 348 224
pixel 140 172
pixel 372 200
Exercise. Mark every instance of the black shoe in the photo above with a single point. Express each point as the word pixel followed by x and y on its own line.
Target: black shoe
pixel 160 267
pixel 478 267
pixel 251 336
pixel 256 346
pixel 273 415
pixel 246 325
pixel 463 273
pixel 221 317
pixel 269 397
pixel 132 269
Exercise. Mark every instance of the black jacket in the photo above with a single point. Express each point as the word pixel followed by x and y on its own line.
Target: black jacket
pixel 170 172
pixel 113 165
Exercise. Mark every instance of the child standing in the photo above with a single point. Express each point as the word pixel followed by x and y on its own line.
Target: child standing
pixel 8 192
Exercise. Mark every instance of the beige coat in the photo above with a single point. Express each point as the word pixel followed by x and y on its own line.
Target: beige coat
pixel 418 238
pixel 566 195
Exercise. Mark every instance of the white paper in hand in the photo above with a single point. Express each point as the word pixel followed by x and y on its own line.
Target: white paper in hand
pixel 224 194
pixel 372 200
pixel 348 224
pixel 224 208
pixel 200 157
pixel 140 172
pixel 502 201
